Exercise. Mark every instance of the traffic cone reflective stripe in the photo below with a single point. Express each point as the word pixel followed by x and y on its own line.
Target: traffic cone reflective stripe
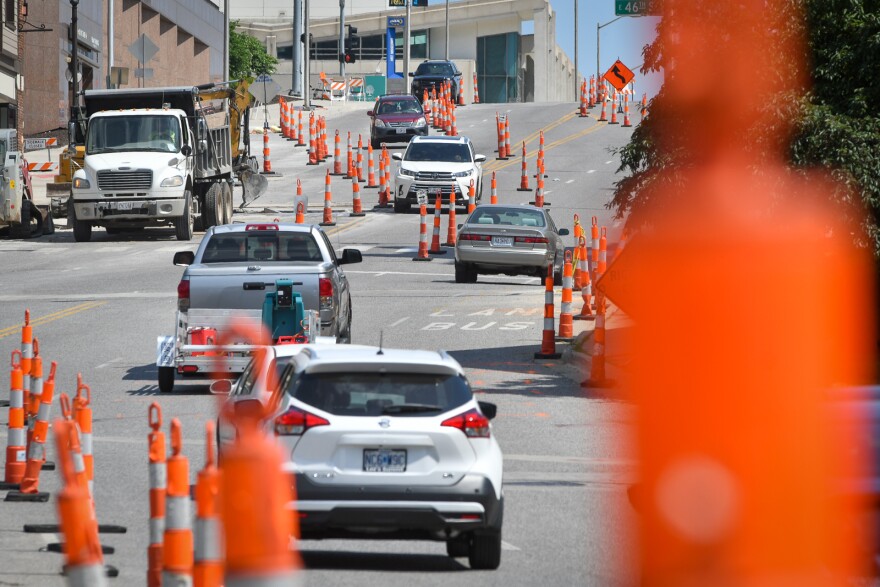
pixel 594 247
pixel 82 413
pixel 356 209
pixel 84 565
pixel 313 143
pixel 337 155
pixel 208 555
pixel 603 252
pixel 359 160
pixel 423 234
pixel 371 172
pixel 586 284
pixel 35 392
pixel 37 449
pixel 613 108
pixel 328 202
pixel 435 236
pixel 267 163
pixel 27 358
pixel 450 217
pixel 548 338
pixel 524 178
pixel 494 197
pixel 476 90
pixel 300 213
pixel 158 488
pixel 507 150
pixel 177 552
pixel 16 451
pixel 626 121
pixel 565 317
pixel 300 138
pixel 383 197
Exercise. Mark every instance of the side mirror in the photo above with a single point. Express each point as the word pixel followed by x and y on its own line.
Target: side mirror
pixel 412 74
pixel 489 409
pixel 370 113
pixel 563 231
pixel 479 158
pixel 397 156
pixel 350 256
pixel 186 150
pixel 184 258
pixel 221 387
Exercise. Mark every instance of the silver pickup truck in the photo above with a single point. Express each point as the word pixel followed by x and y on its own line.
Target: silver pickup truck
pixel 234 268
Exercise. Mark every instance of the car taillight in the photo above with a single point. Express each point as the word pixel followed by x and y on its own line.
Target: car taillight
pixel 532 240
pixel 261 227
pixel 325 291
pixel 294 422
pixel 183 295
pixel 474 237
pixel 472 423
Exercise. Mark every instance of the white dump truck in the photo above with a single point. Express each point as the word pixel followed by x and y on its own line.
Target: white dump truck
pixel 160 157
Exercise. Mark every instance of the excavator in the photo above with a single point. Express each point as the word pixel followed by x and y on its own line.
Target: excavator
pixel 19 216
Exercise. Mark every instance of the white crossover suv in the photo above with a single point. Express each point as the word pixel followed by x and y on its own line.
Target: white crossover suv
pixel 437 165
pixel 391 444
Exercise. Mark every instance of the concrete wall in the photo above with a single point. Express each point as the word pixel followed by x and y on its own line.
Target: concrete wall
pixel 282 10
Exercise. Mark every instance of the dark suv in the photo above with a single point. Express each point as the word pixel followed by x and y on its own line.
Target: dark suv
pixel 432 73
pixel 396 118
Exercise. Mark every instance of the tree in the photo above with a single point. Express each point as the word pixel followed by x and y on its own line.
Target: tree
pixel 247 56
pixel 835 123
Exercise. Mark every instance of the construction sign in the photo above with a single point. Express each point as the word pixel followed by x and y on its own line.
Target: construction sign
pixel 618 283
pixel 618 75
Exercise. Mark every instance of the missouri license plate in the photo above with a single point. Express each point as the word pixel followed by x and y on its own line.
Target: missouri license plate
pixel 124 205
pixel 502 241
pixel 384 460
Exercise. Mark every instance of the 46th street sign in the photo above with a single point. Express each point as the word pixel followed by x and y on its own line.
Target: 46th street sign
pixel 634 8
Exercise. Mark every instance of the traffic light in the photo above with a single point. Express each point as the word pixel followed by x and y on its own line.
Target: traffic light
pixel 302 39
pixel 351 42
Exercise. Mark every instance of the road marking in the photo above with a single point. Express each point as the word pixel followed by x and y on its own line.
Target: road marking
pixel 91 296
pixel 570 181
pixel 111 249
pixel 408 250
pixel 508 546
pixel 548 146
pixel 592 171
pixel 174 249
pixel 570 459
pixel 110 362
pixel 609 162
pixel 401 321
pixel 39 321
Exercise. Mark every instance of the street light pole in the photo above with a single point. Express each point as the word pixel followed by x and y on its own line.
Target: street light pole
pixel 74 25
pixel 342 38
pixel 447 30
pixel 406 33
pixel 576 74
pixel 307 83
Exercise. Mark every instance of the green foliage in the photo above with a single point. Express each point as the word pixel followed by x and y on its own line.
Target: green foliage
pixel 247 56
pixel 836 123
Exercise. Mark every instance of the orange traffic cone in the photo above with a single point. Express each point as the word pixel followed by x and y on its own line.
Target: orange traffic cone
pixel 349 156
pixel 300 213
pixel 494 197
pixel 383 196
pixel 450 217
pixel 82 413
pixel 301 140
pixel 423 234
pixel 359 160
pixel 356 209
pixel 371 172
pixel 548 339
pixel 328 202
pixel 626 121
pixel 435 236
pixel 208 555
pixel 158 488
pixel 177 551
pixel 16 437
pixel 565 317
pixel 313 142
pixel 267 163
pixel 524 178
pixel 472 197
pixel 36 454
pixel 476 90
pixel 614 108
pixel 337 156
pixel 586 284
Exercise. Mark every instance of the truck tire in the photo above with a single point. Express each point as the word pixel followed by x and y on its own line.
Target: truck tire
pixel 166 379
pixel 183 225
pixel 212 211
pixel 31 222
pixel 82 230
pixel 228 205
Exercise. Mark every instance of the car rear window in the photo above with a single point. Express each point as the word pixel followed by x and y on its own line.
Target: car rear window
pixel 428 151
pixel 399 107
pixel 434 69
pixel 262 246
pixel 507 217
pixel 373 394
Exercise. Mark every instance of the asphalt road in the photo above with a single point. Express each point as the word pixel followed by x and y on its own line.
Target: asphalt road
pixel 98 307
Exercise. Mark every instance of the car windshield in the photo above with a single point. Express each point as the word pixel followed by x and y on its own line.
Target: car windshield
pixel 374 394
pixel 434 69
pixel 147 132
pixel 436 151
pixel 263 247
pixel 399 107
pixel 507 217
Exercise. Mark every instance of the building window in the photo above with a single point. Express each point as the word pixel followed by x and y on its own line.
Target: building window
pixel 497 70
pixel 9 14
pixel 418 46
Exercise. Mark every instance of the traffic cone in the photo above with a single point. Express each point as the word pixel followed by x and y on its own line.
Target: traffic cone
pixel 540 161
pixel 454 129
pixel 325 152
pixel 435 237
pixel 356 209
pixel 282 118
pixel 84 563
pixel 177 550
pixel 371 172
pixel 577 232
pixel 626 121
pixel 450 218
pixel 36 452
pixel 82 413
pixel 349 156
pixel 494 197
pixel 597 358
pixel 34 393
pixel 158 489
pixel 16 450
pixel 603 252
pixel 644 105
pixel 586 284
pixel 583 100
pixel 27 359
pixel 461 97
pixel 423 234
pixel 548 339
pixel 294 136
pixel 383 196
pixel 602 116
pixel 299 194
pixel 208 555
pixel 301 142
pixel 328 202
pixel 565 317
pixel 592 102
pixel 476 90
pixel 359 160
pixel 594 247
pixel 267 163
pixel 337 156
pixel 499 124
pixel 472 197
pixel 507 150
pixel 313 142
pixel 300 213
pixel 539 192
pixel 387 174
pixel 429 119
pixel 524 179
pixel 614 108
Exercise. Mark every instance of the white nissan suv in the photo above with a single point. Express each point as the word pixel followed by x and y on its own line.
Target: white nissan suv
pixel 391 444
pixel 438 165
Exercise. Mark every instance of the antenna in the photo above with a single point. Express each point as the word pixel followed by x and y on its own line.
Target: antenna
pixel 380 343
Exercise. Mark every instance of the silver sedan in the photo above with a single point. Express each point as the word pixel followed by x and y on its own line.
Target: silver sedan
pixel 513 240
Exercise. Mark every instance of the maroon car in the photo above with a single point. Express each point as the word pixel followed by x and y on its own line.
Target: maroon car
pixel 396 118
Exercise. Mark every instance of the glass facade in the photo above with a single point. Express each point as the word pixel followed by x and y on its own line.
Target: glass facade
pixel 370 48
pixel 498 68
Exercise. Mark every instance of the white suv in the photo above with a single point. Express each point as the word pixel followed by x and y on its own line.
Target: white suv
pixel 437 164
pixel 390 444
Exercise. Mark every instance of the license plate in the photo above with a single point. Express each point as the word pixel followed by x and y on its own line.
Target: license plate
pixel 400 131
pixel 384 460
pixel 502 241
pixel 124 205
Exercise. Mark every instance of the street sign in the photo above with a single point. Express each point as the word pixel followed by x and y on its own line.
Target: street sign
pixel 618 75
pixel 143 49
pixel 396 21
pixel 31 144
pixel 264 89
pixel 634 8
pixel 396 3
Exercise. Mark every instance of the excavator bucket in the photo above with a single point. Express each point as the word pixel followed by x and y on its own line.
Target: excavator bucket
pixel 254 185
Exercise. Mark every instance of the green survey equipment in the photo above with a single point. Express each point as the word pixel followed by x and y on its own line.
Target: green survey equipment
pixel 283 313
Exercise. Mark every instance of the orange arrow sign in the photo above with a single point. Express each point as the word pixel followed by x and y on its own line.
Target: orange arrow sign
pixel 618 283
pixel 618 75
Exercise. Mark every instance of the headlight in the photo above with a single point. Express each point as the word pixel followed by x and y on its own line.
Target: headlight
pixel 172 182
pixel 80 183
pixel 467 173
pixel 420 122
pixel 380 123
pixel 403 171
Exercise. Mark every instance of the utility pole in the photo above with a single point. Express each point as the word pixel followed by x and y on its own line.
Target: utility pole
pixel 406 34
pixel 576 71
pixel 296 50
pixel 447 30
pixel 342 38
pixel 225 76
pixel 307 84
pixel 74 26
pixel 598 27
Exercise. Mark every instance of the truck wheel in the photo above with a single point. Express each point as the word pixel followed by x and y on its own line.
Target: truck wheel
pixel 401 207
pixel 183 225
pixel 226 199
pixel 166 379
pixel 82 230
pixel 212 212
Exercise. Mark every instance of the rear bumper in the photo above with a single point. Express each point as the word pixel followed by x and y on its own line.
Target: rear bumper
pixel 397 511
pixel 501 260
pixel 390 135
